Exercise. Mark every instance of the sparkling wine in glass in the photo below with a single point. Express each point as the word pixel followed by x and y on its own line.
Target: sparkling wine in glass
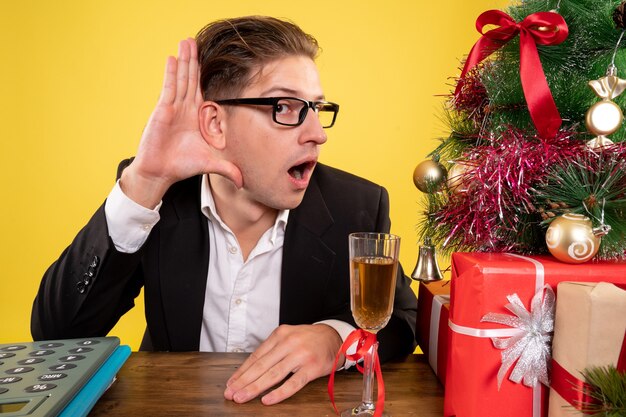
pixel 373 269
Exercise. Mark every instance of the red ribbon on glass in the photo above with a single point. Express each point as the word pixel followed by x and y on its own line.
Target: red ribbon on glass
pixel 543 28
pixel 365 340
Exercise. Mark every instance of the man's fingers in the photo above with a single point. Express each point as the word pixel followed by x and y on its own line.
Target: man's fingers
pixel 168 93
pixel 255 381
pixel 253 361
pixel 292 385
pixel 230 171
pixel 270 345
pixel 262 365
pixel 182 75
pixel 192 85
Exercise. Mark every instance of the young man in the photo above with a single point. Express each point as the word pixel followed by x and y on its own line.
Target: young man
pixel 238 236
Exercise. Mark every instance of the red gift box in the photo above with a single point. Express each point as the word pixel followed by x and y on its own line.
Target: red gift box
pixel 481 283
pixel 433 311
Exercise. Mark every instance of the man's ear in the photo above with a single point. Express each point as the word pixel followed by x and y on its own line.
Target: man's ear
pixel 212 124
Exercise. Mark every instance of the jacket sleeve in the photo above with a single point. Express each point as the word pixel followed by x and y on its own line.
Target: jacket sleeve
pixel 90 286
pixel 397 338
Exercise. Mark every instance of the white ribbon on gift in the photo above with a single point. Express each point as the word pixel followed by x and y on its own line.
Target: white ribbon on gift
pixel 529 350
pixel 433 338
pixel 515 332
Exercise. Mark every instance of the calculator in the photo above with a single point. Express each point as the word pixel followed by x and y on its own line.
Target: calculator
pixel 57 377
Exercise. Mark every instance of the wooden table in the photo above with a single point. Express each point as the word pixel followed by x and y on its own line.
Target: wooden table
pixel 193 383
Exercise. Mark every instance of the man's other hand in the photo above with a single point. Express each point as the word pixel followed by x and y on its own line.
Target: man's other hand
pixel 306 352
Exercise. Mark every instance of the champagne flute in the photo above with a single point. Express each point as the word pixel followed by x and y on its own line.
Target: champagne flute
pixel 373 268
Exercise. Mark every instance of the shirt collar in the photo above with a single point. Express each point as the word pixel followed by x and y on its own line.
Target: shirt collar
pixel 207 205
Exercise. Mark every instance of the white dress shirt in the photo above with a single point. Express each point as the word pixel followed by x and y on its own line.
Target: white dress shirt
pixel 242 299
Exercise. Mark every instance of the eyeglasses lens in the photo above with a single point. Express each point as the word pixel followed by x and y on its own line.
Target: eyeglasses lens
pixel 292 112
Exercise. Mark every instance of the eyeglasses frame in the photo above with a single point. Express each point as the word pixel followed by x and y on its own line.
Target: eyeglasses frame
pixel 273 101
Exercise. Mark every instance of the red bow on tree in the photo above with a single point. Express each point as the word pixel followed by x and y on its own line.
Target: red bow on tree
pixel 543 28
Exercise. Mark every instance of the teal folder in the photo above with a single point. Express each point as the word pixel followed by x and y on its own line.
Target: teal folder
pixel 87 397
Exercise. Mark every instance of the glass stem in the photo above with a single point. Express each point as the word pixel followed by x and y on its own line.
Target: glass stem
pixel 368 374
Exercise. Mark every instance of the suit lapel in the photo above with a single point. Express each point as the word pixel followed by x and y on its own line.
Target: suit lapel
pixel 183 273
pixel 307 261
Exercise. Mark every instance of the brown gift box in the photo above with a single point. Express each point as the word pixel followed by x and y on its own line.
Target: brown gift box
pixel 589 327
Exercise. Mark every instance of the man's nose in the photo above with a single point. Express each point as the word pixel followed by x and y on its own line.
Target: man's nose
pixel 313 130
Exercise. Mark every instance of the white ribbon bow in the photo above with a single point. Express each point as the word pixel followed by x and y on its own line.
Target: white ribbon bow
pixel 530 347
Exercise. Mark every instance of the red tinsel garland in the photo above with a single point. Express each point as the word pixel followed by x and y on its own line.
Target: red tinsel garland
pixel 486 216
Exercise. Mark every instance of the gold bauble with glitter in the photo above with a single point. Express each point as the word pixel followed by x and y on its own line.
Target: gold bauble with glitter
pixel 457 177
pixel 429 176
pixel 571 238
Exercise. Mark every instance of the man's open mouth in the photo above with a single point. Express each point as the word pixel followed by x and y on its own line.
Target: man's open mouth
pixel 300 171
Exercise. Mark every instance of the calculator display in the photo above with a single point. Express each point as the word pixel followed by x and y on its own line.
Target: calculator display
pixel 12 407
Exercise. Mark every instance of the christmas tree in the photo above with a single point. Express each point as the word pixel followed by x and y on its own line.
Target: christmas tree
pixel 535 157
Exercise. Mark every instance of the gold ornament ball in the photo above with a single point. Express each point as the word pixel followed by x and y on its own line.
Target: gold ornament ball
pixel 570 238
pixel 457 177
pixel 429 176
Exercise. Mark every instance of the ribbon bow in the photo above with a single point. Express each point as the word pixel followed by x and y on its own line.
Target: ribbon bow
pixel 365 340
pixel 544 28
pixel 530 347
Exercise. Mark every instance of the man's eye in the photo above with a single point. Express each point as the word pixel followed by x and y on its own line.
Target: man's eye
pixel 282 108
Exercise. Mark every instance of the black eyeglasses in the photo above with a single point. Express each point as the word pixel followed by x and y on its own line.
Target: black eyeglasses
pixel 291 111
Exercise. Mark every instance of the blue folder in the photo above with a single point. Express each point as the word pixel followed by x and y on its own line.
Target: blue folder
pixel 87 397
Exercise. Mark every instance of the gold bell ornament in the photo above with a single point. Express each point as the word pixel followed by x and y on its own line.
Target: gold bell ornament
pixel 427 268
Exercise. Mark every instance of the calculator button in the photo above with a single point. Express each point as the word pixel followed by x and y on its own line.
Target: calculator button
pixel 51 345
pixel 30 361
pixel 88 342
pixel 21 370
pixel 52 377
pixel 39 387
pixel 62 367
pixel 10 379
pixel 43 352
pixel 3 390
pixel 80 350
pixel 13 348
pixel 71 358
pixel 6 355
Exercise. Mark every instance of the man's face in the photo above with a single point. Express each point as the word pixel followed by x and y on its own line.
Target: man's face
pixel 276 161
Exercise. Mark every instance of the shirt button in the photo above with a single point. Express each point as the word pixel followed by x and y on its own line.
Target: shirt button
pixel 232 249
pixel 146 227
pixel 237 350
pixel 238 301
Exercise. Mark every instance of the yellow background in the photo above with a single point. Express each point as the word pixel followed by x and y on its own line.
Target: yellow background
pixel 78 80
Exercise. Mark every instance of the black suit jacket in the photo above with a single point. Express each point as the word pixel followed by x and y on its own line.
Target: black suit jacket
pixel 92 285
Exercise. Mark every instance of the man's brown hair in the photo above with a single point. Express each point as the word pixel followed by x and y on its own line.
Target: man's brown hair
pixel 230 51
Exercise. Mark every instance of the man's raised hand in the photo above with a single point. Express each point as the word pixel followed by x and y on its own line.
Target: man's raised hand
pixel 172 147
